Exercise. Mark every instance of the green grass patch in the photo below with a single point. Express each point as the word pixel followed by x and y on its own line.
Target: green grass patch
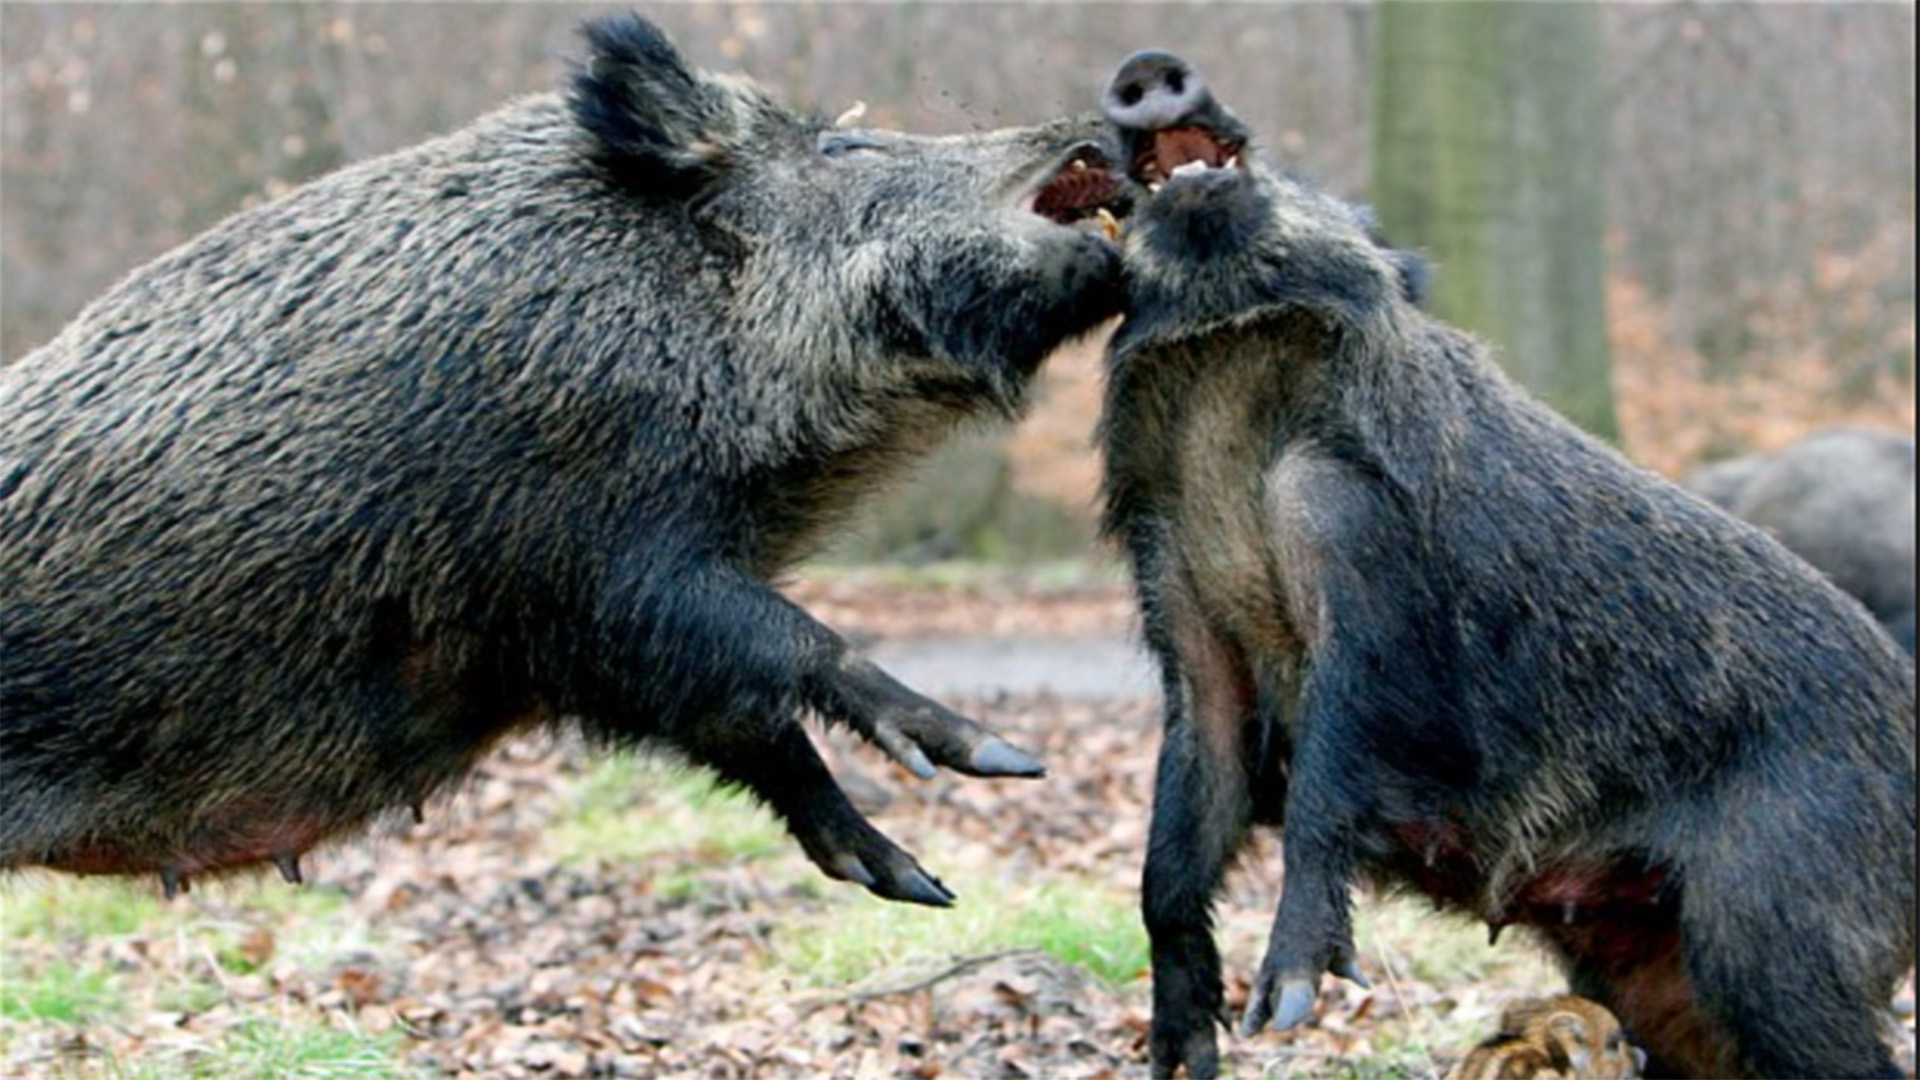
pixel 296 903
pixel 69 908
pixel 1419 942
pixel 632 808
pixel 860 939
pixel 59 993
pixel 274 1050
pixel 268 1051
pixel 1397 1064
pixel 1098 933
pixel 186 993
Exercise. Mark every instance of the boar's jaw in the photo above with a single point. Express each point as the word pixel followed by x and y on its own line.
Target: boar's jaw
pixel 1084 192
pixel 1161 157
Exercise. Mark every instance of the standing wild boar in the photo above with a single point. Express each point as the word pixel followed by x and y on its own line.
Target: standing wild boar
pixel 509 427
pixel 1459 648
pixel 1842 499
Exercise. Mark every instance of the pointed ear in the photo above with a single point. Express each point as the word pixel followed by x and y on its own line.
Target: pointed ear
pixel 660 125
pixel 1416 276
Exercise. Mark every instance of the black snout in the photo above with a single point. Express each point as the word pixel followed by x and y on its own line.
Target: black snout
pixel 1154 90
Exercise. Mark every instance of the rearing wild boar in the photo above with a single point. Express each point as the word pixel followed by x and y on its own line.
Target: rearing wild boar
pixel 1461 649
pixel 509 427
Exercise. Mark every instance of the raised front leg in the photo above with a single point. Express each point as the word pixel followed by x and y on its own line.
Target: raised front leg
pixel 713 662
pixel 914 730
pixel 778 763
pixel 1201 814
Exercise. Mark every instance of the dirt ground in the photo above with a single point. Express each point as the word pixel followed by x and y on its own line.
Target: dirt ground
pixel 567 918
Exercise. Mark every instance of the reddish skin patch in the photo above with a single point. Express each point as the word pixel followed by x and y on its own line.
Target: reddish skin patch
pixel 1587 891
pixel 236 836
pixel 1175 147
pixel 1639 971
pixel 251 831
pixel 1076 193
pixel 1622 940
pixel 1439 860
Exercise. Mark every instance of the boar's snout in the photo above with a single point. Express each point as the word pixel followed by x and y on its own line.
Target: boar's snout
pixel 1154 90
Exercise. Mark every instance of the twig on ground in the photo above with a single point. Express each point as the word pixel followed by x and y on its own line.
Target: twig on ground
pixel 1422 1021
pixel 963 966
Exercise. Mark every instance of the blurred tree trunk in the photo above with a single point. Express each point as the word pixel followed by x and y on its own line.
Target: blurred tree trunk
pixel 1489 140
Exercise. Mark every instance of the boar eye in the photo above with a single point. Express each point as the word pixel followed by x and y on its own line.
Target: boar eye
pixel 839 145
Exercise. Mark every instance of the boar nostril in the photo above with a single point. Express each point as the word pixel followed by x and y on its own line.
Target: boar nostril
pixel 1154 90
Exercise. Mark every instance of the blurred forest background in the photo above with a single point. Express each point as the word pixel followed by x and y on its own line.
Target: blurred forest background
pixel 1755 165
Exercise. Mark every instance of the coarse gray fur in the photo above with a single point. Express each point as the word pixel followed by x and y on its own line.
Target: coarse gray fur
pixel 512 426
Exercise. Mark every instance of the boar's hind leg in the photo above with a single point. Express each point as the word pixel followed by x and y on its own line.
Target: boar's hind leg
pixel 1201 810
pixel 1796 970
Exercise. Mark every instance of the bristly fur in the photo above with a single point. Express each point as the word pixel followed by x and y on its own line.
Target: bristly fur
pixel 1461 649
pixel 512 425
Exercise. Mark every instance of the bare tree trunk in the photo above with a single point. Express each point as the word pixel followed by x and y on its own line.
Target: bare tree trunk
pixel 1490 136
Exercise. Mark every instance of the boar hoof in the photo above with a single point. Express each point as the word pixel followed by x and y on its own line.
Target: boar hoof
pixel 998 757
pixel 1350 971
pixel 1294 1007
pixel 920 887
pixel 852 850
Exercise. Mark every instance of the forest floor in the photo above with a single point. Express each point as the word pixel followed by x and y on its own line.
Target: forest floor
pixel 575 914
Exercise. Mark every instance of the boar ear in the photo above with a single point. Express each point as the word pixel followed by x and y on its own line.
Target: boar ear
pixel 660 125
pixel 1416 276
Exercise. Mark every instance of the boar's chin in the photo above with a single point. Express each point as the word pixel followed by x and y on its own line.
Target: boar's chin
pixel 1228 246
pixel 1213 216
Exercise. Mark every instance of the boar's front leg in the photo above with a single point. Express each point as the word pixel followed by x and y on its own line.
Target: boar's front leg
pixel 1313 931
pixel 717 664
pixel 916 731
pixel 777 762
pixel 1201 812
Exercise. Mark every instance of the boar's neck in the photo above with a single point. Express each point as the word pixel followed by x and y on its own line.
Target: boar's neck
pixel 1394 396
pixel 1233 399
pixel 798 502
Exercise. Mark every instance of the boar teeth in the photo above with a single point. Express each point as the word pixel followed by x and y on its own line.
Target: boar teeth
pixel 1192 168
pixel 1232 162
pixel 1079 165
pixel 1155 187
pixel 1108 223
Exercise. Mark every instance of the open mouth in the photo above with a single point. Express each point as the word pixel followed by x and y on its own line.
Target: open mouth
pixel 1176 152
pixel 1085 194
